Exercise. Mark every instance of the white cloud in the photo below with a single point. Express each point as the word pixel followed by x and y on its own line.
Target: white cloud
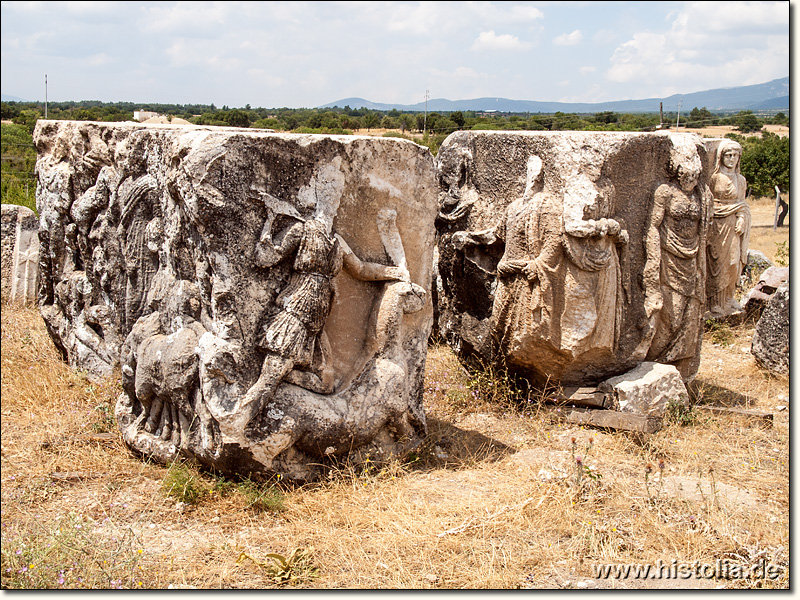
pixel 588 69
pixel 467 72
pixel 707 47
pixel 98 60
pixel 569 39
pixel 489 40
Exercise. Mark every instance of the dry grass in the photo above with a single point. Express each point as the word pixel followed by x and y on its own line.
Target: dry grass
pixel 493 499
pixel 719 131
pixel 762 235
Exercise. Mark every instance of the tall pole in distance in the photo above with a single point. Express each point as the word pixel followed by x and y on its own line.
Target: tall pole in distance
pixel 678 122
pixel 425 122
pixel 45 95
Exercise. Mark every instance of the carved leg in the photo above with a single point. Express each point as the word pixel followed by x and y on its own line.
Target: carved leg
pixel 154 417
pixel 166 423
pixel 274 369
pixel 177 432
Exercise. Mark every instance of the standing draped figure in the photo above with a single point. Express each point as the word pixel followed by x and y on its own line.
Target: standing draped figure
pixel 729 235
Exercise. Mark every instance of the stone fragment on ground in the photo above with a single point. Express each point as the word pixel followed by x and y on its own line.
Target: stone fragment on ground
pixel 769 282
pixel 770 346
pixel 647 390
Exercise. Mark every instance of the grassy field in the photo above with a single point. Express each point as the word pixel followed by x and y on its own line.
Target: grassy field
pixel 503 494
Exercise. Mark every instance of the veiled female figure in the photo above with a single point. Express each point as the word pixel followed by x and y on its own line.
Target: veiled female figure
pixel 729 236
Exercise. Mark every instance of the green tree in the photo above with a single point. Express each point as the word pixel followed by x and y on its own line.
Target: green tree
pixel 18 184
pixel 747 122
pixel 765 162
pixel 458 118
pixel 27 118
pixel 237 118
pixel 779 119
pixel 371 119
pixel 406 122
pixel 699 117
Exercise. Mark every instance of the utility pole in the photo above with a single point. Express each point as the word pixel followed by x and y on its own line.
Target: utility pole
pixel 678 122
pixel 661 112
pixel 45 95
pixel 425 122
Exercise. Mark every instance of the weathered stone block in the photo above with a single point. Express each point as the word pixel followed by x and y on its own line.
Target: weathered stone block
pixel 266 296
pixel 573 256
pixel 770 345
pixel 647 390
pixel 767 285
pixel 20 253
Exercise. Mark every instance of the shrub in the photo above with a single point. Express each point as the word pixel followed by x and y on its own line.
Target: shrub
pixel 184 484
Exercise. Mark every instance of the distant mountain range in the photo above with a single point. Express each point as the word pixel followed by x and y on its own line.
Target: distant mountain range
pixel 773 95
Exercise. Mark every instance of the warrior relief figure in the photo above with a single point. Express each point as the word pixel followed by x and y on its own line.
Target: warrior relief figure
pixel 296 346
pixel 729 236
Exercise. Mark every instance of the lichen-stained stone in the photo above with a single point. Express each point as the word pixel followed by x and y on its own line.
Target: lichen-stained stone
pixel 770 346
pixel 573 256
pixel 266 296
pixel 20 253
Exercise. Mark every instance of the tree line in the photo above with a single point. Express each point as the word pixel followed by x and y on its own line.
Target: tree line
pixel 346 119
pixel 765 161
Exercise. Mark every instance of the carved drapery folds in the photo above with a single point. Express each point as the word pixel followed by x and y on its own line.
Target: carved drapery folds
pixel 729 237
pixel 578 256
pixel 266 297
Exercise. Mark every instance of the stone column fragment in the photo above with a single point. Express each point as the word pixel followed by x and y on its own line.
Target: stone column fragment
pixel 20 253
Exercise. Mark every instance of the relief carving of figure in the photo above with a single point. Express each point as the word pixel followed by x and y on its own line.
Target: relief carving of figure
pixel 524 301
pixel 297 348
pixel 675 270
pixel 729 235
pixel 559 280
pixel 135 230
pixel 594 244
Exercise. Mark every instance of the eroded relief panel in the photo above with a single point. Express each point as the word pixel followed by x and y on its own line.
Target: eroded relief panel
pixel 266 297
pixel 572 256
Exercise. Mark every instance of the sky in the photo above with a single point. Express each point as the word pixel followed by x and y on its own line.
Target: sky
pixel 306 54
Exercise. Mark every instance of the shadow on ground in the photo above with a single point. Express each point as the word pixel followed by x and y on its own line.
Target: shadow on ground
pixel 706 393
pixel 448 446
